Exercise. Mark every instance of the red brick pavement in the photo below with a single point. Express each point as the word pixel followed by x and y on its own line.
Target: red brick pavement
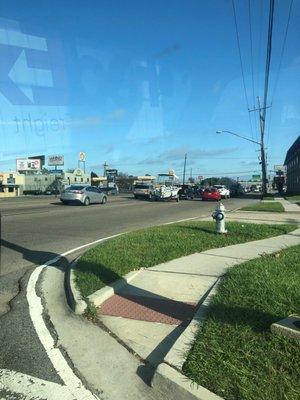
pixel 149 309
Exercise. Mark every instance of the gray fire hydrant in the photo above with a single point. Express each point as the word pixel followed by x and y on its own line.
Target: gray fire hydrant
pixel 219 216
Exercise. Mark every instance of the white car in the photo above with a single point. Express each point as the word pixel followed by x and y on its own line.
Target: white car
pixel 224 192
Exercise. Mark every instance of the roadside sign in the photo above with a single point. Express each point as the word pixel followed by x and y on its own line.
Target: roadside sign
pixel 26 164
pixel 56 171
pixel 56 160
pixel 111 174
pixel 42 158
pixel 280 169
pixel 255 178
pixel 82 156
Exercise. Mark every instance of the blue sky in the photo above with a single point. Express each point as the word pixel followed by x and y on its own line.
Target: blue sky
pixel 140 83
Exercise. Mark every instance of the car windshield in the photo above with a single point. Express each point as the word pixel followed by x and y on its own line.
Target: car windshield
pixel 131 116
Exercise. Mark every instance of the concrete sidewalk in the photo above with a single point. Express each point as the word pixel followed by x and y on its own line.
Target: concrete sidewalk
pixel 288 206
pixel 260 217
pixel 151 312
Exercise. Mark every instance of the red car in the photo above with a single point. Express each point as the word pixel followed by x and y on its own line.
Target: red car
pixel 211 194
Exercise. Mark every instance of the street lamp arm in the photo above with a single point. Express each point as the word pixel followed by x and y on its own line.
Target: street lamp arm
pixel 240 136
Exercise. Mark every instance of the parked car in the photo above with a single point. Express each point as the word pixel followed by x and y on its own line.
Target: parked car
pixel 144 190
pixel 83 194
pixel 211 194
pixel 186 192
pixel 224 192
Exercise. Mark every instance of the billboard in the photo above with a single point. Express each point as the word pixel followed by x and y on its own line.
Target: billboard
pixel 111 174
pixel 28 164
pixel 42 158
pixel 56 160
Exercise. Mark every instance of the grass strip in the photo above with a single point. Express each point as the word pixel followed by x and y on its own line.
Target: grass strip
pixel 294 197
pixel 268 207
pixel 145 248
pixel 235 355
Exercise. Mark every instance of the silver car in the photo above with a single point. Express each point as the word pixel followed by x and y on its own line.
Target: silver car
pixel 83 194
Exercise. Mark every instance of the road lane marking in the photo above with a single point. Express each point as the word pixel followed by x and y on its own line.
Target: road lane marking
pixel 73 384
pixel 30 387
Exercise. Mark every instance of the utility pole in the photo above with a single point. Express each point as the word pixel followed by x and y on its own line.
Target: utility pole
pixel 184 168
pixel 262 110
pixel 262 113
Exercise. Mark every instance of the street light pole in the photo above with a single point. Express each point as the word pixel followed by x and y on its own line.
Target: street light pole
pixel 184 168
pixel 240 136
pixel 262 153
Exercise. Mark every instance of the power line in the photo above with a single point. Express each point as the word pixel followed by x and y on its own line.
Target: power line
pixel 240 54
pixel 280 63
pixel 283 48
pixel 251 49
pixel 241 64
pixel 268 62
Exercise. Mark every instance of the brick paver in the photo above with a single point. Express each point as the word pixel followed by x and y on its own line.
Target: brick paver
pixel 149 309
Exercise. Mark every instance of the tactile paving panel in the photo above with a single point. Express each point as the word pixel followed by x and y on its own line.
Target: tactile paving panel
pixel 148 309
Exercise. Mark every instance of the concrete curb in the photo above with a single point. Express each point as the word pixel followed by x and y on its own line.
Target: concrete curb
pixel 176 356
pixel 99 297
pixel 75 300
pixel 168 377
pixel 174 385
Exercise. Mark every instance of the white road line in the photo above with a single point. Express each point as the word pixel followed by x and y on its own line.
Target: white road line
pixel 72 382
pixel 28 386
pixel 182 220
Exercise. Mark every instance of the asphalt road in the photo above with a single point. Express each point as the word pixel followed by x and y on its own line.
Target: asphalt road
pixel 35 230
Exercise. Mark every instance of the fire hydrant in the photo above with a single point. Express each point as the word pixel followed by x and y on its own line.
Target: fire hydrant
pixel 219 216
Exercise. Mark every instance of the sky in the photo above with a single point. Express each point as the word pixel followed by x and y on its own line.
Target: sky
pixel 141 83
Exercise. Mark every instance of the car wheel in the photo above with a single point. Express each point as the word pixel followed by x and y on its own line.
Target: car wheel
pixel 104 200
pixel 64 202
pixel 87 201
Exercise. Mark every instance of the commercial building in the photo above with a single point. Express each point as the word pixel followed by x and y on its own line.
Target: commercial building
pixel 75 176
pixel 292 162
pixel 15 183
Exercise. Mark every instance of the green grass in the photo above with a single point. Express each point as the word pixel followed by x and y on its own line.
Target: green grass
pixel 295 197
pixel 114 258
pixel 269 196
pixel 235 355
pixel 269 207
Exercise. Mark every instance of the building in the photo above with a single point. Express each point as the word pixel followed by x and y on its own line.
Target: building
pixel 15 184
pixel 292 162
pixel 11 184
pixel 76 176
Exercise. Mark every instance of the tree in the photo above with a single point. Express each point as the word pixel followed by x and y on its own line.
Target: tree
pixel 94 175
pixel 210 181
pixel 124 180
